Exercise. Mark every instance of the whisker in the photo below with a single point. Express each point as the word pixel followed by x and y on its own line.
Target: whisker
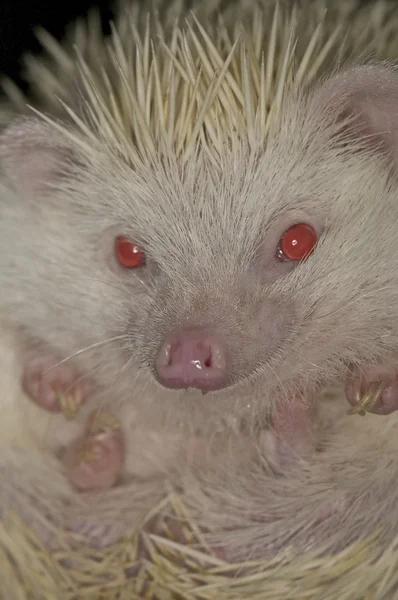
pixel 104 401
pixel 127 363
pixel 271 368
pixel 119 289
pixel 353 301
pixel 82 377
pixel 309 362
pixel 146 286
pixel 79 352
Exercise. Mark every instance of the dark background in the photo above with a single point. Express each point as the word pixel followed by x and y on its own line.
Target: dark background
pixel 19 17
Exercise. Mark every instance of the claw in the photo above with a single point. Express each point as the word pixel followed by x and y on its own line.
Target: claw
pixel 70 404
pixel 95 461
pixel 365 403
pixel 100 421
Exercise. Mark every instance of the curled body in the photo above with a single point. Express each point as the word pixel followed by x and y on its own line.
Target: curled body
pixel 205 253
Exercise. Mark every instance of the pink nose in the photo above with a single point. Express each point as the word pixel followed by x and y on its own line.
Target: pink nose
pixel 192 358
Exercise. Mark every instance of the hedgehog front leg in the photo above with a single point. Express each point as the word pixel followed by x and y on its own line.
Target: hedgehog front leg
pixel 96 459
pixel 54 385
pixel 292 434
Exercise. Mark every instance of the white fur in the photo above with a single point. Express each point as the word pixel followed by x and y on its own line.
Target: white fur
pixel 209 216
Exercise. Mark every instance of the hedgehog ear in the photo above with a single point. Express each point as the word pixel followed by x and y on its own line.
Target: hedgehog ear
pixel 366 98
pixel 33 157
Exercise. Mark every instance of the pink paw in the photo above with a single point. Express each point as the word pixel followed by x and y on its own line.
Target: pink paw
pixel 372 390
pixel 96 460
pixel 53 386
pixel 291 436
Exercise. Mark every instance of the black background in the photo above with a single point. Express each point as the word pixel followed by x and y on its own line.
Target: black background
pixel 19 17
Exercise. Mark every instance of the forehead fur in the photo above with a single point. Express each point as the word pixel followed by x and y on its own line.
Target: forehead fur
pixel 174 114
pixel 216 218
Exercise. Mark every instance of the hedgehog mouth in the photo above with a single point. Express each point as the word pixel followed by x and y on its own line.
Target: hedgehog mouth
pixel 202 384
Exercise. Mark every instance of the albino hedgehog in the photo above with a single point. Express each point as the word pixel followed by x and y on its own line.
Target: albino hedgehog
pixel 197 235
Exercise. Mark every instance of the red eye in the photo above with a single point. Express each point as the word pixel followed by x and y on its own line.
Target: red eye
pixel 129 254
pixel 297 242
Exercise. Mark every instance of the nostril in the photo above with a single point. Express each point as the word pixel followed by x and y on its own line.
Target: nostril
pixel 168 356
pixel 164 358
pixel 200 355
pixel 171 352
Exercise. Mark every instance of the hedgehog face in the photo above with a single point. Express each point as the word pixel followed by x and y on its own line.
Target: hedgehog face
pixel 241 261
pixel 203 275
pixel 200 271
pixel 230 273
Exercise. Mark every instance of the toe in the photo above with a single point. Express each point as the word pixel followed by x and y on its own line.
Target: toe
pixel 96 460
pixel 54 386
pixel 377 395
pixel 388 402
pixel 36 385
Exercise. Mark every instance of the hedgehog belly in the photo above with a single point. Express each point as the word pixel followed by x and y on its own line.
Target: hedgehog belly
pixel 244 508
pixel 234 509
